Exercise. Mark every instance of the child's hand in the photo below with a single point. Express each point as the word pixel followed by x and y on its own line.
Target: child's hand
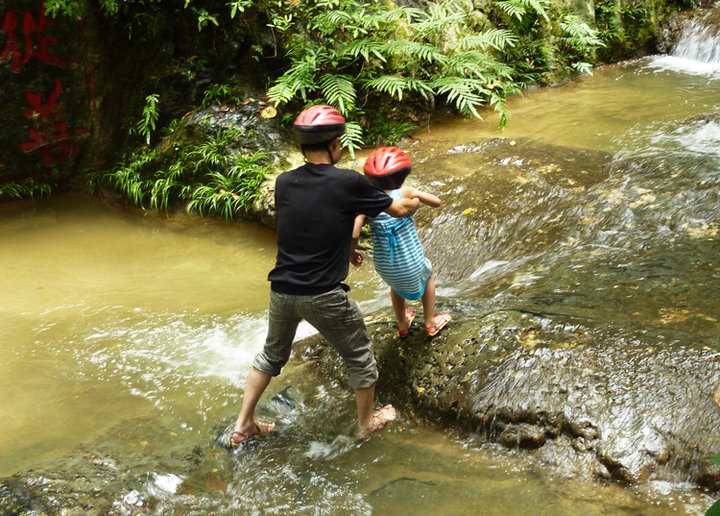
pixel 424 197
pixel 356 258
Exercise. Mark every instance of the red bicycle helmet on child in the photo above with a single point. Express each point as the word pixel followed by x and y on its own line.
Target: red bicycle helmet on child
pixel 385 161
pixel 318 124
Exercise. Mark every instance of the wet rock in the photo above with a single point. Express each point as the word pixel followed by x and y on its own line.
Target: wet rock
pixel 590 404
pixel 522 436
pixel 257 133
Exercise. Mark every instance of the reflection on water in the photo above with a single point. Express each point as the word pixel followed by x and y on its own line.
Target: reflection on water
pixel 126 339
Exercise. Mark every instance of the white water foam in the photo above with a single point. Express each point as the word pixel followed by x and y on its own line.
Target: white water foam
pixel 699 138
pixel 699 43
pixel 696 53
pixel 155 353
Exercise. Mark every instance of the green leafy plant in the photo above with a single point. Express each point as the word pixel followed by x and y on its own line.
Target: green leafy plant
pixel 228 194
pixel 209 177
pixel 27 188
pixel 219 94
pixel 581 41
pixel 238 6
pixel 714 509
pixel 204 17
pixel 146 125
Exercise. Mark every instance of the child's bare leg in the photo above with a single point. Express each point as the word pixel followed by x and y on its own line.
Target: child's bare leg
pixel 398 303
pixel 428 301
pixel 433 322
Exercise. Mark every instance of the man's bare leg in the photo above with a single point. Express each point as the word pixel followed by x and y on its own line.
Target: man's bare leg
pixel 367 420
pixel 256 384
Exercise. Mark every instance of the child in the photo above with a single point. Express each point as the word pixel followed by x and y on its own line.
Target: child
pixel 398 254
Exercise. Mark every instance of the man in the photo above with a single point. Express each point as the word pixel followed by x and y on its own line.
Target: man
pixel 316 207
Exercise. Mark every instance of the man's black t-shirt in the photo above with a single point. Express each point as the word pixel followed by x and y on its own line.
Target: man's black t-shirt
pixel 316 208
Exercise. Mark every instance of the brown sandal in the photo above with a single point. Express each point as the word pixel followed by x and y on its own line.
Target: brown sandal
pixel 262 428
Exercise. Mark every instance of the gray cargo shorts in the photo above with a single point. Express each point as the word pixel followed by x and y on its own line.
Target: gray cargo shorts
pixel 335 316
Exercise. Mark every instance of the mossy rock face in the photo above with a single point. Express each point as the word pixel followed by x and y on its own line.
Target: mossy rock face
pixel 576 397
pixel 255 133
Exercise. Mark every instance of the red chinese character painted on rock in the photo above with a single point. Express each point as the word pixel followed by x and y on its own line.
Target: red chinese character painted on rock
pixel 50 133
pixel 33 47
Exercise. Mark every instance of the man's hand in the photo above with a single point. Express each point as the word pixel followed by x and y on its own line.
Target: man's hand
pixel 403 207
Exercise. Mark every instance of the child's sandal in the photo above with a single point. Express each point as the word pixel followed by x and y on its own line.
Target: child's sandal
pixel 434 328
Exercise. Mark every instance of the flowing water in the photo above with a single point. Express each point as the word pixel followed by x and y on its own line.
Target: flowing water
pixel 126 338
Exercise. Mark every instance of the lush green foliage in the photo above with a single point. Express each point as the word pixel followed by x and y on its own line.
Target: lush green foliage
pixel 714 510
pixel 546 50
pixel 360 56
pixel 367 58
pixel 208 178
pixel 219 94
pixel 27 188
pixel 611 16
pixel 377 63
pixel 384 66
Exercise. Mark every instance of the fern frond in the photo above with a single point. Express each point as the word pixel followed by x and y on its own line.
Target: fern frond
pixel 512 9
pixel 493 38
pixel 281 92
pixel 352 138
pixel 328 21
pixel 300 78
pixel 393 85
pixel 436 25
pixel 338 91
pixel 581 34
pixel 583 68
pixel 500 104
pixel 518 8
pixel 464 93
pixel 425 51
pixel 382 19
pixel 477 65
pixel 364 47
pixel 441 15
pixel 418 85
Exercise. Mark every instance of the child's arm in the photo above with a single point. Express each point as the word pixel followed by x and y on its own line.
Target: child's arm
pixel 424 197
pixel 356 257
pixel 359 223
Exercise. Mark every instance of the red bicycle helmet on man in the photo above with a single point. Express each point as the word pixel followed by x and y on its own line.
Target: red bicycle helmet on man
pixel 317 126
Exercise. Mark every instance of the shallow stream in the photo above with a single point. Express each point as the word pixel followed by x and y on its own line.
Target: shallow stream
pixel 126 337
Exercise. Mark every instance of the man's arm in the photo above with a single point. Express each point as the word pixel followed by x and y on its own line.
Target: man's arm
pixel 357 257
pixel 402 207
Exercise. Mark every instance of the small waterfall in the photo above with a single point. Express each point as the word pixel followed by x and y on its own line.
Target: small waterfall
pixel 699 42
